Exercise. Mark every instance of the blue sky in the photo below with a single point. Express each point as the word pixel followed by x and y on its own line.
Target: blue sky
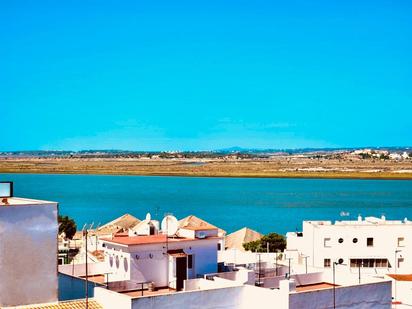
pixel 198 75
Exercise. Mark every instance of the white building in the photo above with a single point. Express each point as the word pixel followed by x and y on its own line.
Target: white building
pixel 28 251
pixel 221 293
pixel 374 244
pixel 163 260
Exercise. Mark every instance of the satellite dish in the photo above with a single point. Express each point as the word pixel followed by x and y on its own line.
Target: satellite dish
pixel 148 217
pixel 169 225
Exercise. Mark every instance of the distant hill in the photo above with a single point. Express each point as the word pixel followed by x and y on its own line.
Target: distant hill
pixel 165 154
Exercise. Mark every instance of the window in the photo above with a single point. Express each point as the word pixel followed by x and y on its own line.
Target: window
pixel 326 263
pixel 369 263
pixel 355 240
pixel 117 262
pixel 340 240
pixel 355 262
pixel 111 261
pixel 381 263
pixel 219 246
pixel 126 265
pixel 190 261
pixel 326 242
pixel 369 242
pixel 401 242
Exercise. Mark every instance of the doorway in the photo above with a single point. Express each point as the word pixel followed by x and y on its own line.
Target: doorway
pixel 181 272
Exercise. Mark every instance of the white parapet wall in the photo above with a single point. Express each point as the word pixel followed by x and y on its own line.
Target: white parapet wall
pixel 225 294
pixel 372 295
pixel 242 276
pixel 228 297
pixel 79 270
pixel 234 256
pixel 200 293
pixel 110 299
pixel 301 279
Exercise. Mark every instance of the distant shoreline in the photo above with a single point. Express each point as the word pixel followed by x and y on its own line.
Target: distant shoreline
pixel 331 177
pixel 279 168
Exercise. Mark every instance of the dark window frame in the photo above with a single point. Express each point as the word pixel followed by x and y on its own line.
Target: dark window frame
pixel 190 261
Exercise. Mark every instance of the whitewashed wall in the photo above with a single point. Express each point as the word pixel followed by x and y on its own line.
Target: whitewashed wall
pixel 109 299
pixel 150 262
pixel 235 256
pixel 223 294
pixel 301 279
pixel 228 298
pixel 385 242
pixel 79 270
pixel 374 295
pixel 28 254
pixel 243 276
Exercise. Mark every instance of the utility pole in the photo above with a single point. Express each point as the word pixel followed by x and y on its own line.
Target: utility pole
pixel 289 270
pixel 395 266
pixel 87 272
pixel 259 270
pixel 334 290
pixel 360 264
pixel 334 282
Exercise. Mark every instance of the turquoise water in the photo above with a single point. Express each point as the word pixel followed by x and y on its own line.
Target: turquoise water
pixel 266 205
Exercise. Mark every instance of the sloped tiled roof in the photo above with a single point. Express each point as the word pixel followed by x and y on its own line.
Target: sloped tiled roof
pixel 77 304
pixel 194 223
pixel 122 223
pixel 238 238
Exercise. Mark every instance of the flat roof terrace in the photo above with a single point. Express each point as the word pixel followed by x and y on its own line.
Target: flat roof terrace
pixel 19 201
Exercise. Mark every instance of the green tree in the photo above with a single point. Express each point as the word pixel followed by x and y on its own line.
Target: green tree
pixel 68 226
pixel 275 241
pixel 384 157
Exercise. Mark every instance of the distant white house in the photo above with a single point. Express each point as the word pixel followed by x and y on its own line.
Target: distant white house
pixel 395 156
pixel 372 243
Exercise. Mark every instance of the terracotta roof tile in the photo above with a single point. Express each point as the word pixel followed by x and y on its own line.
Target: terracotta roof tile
pixel 77 304
pixel 238 238
pixel 146 240
pixel 195 223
